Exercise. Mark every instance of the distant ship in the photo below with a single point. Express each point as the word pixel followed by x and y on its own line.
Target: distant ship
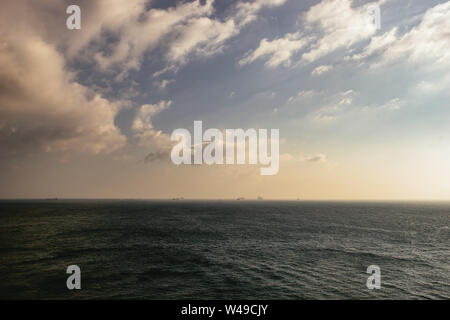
pixel 240 199
pixel 177 199
pixel 51 199
pixel 260 198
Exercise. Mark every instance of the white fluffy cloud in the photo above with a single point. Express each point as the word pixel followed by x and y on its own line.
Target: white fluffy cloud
pixel 185 29
pixel 42 108
pixel 427 42
pixel 278 51
pixel 143 119
pixel 247 11
pixel 142 30
pixel 333 24
pixel 341 24
pixel 203 36
pixel 321 70
pixel 304 94
pixel 188 28
pixel 144 132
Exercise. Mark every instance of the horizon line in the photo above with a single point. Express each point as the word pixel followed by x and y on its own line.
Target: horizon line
pixel 238 199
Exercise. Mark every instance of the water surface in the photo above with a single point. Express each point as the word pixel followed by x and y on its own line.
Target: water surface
pixel 223 250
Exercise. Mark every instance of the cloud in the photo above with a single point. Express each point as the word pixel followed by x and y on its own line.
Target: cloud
pixel 426 43
pixel 314 158
pixel 302 95
pixel 341 25
pixel 143 119
pixel 247 11
pixel 203 36
pixel 321 70
pixel 439 84
pixel 186 29
pixel 157 156
pixel 116 34
pixel 42 107
pixel 163 83
pixel 393 104
pixel 153 140
pixel 332 24
pixel 142 30
pixel 278 51
pixel 335 106
pixel 377 44
pixel 341 108
pixel 171 67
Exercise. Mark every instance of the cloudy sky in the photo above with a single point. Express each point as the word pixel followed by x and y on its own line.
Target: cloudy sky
pixel 363 112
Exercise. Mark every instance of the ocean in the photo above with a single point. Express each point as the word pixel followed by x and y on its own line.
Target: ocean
pixel 131 249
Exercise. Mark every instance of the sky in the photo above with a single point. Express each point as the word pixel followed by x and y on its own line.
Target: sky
pixel 363 112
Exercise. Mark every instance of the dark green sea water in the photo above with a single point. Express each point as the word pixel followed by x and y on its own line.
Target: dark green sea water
pixel 223 250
